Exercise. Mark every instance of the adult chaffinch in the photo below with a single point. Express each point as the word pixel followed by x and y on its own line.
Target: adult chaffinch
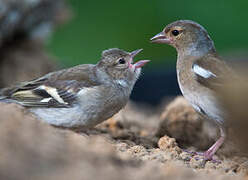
pixel 81 96
pixel 200 71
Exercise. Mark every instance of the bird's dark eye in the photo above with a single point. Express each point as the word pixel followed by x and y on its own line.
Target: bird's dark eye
pixel 122 61
pixel 175 32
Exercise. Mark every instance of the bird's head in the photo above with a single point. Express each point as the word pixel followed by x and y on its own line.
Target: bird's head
pixel 119 65
pixel 187 37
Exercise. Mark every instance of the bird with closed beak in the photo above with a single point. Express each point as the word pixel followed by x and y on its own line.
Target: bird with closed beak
pixel 200 72
pixel 81 96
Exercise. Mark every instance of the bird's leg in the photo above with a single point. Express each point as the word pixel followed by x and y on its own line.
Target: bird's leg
pixel 208 155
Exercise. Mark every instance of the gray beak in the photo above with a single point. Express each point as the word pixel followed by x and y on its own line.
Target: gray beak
pixel 160 38
pixel 134 53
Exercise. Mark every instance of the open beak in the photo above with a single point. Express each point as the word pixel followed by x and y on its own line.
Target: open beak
pixel 134 53
pixel 138 64
pixel 161 39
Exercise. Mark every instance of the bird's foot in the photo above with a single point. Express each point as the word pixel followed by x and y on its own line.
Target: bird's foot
pixel 193 153
pixel 206 156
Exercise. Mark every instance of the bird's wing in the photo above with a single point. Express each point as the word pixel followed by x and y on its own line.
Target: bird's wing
pixel 53 90
pixel 211 72
pixel 46 94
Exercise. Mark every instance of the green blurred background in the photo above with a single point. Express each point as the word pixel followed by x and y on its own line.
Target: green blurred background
pixel 129 24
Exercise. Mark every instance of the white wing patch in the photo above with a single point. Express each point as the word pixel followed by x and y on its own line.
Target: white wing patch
pixel 202 72
pixel 122 83
pixel 54 93
pixel 45 100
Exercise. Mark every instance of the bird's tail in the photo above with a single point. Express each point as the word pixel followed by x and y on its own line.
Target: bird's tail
pixel 2 98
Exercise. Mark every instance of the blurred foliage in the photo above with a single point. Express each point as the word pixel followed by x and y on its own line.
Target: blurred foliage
pixel 129 24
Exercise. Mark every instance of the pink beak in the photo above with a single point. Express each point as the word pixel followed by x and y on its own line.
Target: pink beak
pixel 160 38
pixel 140 63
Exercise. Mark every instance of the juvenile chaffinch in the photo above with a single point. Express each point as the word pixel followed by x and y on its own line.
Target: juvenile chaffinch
pixel 200 71
pixel 81 96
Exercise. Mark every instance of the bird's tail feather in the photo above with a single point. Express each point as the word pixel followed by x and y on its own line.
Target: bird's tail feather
pixel 2 98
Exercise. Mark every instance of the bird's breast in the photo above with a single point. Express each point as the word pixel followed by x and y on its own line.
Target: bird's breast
pixel 201 98
pixel 100 103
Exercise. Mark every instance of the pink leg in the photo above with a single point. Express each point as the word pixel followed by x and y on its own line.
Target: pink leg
pixel 208 155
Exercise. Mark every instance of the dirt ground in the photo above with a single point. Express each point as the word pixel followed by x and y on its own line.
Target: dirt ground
pixel 137 143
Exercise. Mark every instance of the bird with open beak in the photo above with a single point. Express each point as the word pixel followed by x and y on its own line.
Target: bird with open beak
pixel 81 96
pixel 200 72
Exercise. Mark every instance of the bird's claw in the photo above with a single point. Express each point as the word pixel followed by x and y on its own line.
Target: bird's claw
pixel 206 156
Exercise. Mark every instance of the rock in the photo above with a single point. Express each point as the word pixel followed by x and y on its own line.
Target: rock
pixel 166 142
pixel 24 61
pixel 24 28
pixel 180 121
pixel 29 19
pixel 185 156
pixel 197 162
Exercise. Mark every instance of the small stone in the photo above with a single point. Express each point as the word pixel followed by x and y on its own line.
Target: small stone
pixel 137 149
pixel 121 147
pixel 211 165
pixel 166 143
pixel 197 162
pixel 185 156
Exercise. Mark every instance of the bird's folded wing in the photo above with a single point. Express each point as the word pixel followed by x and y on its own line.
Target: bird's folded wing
pixel 211 72
pixel 56 90
pixel 46 94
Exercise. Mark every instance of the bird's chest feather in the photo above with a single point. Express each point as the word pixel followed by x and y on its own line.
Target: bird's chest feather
pixel 201 98
pixel 185 77
pixel 100 103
